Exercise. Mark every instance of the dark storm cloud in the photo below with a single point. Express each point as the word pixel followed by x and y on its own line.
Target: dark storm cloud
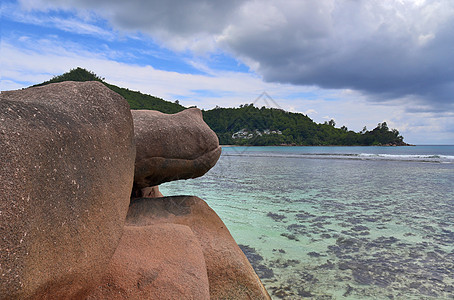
pixel 387 52
pixel 385 49
pixel 175 16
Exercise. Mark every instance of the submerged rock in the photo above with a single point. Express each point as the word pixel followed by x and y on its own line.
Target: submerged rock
pixel 276 217
pixel 172 147
pixel 230 274
pixel 66 168
pixel 256 261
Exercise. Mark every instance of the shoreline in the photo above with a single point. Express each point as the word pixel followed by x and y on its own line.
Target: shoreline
pixel 408 145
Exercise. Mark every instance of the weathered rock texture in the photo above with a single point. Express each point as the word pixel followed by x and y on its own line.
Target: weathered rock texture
pixel 66 172
pixel 172 147
pixel 230 274
pixel 163 261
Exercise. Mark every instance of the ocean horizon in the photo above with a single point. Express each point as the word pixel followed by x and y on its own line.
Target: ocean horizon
pixel 338 222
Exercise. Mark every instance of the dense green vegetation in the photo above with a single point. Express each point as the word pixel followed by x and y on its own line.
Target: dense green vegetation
pixel 77 74
pixel 135 99
pixel 255 126
pixel 250 125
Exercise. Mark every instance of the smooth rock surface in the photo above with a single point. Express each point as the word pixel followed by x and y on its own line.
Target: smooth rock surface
pixel 172 147
pixel 66 171
pixel 230 274
pixel 163 261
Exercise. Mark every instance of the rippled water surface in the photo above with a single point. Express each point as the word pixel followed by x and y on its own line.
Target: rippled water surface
pixel 338 222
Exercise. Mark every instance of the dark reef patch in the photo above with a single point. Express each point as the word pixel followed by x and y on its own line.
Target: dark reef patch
pixel 290 236
pixel 276 217
pixel 256 261
pixel 303 215
pixel 283 263
pixel 314 254
pixel 384 249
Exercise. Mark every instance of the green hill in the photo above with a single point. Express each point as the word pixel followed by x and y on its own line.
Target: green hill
pixel 250 125
pixel 135 99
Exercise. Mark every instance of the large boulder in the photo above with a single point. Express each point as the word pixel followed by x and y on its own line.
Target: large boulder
pixel 230 274
pixel 163 261
pixel 172 147
pixel 66 171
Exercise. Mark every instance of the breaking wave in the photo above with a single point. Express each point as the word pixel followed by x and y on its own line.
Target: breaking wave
pixel 351 156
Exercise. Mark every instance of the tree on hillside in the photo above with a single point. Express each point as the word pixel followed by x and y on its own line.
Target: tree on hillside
pixel 135 99
pixel 264 126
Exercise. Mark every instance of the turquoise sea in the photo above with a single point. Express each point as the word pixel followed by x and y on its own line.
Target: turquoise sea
pixel 338 222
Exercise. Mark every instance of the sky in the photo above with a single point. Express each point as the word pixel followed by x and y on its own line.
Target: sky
pixel 359 62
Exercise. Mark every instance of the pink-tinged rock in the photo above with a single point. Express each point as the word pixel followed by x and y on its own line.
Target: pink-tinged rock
pixel 163 261
pixel 230 274
pixel 172 147
pixel 66 171
pixel 151 192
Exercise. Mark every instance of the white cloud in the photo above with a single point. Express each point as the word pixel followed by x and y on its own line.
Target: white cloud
pixel 69 24
pixel 386 49
pixel 363 62
pixel 41 60
pixel 310 111
pixel 232 89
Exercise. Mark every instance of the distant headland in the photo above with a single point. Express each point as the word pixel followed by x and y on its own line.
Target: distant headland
pixel 249 125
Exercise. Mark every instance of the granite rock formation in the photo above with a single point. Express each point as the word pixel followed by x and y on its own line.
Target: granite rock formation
pixel 172 147
pixel 66 171
pixel 163 261
pixel 230 274
pixel 69 171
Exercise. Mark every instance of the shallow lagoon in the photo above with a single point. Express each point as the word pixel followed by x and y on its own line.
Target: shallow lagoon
pixel 338 222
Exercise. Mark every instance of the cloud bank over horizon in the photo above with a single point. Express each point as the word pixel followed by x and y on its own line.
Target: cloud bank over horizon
pixel 388 50
pixel 356 61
